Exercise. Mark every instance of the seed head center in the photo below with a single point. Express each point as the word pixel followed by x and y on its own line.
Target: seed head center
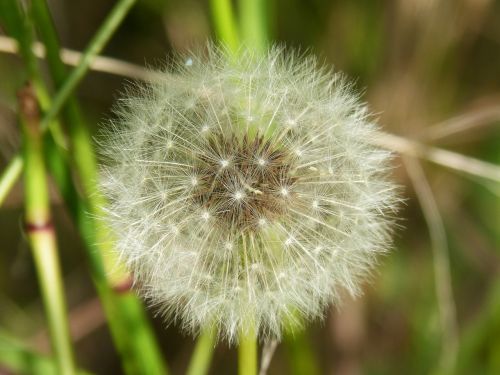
pixel 240 181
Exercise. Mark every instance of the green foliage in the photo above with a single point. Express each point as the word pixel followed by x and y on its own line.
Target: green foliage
pixel 420 63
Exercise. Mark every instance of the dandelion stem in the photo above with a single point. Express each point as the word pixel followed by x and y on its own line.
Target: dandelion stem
pixel 225 23
pixel 41 234
pixel 247 352
pixel 203 351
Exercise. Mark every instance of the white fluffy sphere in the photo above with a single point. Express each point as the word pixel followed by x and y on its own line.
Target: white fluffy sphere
pixel 243 190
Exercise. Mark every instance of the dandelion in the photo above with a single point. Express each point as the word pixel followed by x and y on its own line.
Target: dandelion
pixel 244 190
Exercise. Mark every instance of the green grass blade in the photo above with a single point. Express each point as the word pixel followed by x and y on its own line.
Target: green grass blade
pixel 10 175
pixel 203 351
pixel 95 46
pixel 17 358
pixel 253 22
pixel 225 23
pixel 11 15
pixel 140 348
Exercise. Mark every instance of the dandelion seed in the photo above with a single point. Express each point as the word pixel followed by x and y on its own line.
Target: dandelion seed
pixel 235 194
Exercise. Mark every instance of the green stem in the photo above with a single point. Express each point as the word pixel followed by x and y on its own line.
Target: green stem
pixel 83 152
pixel 203 351
pixel 129 326
pixel 19 26
pixel 302 358
pixel 96 44
pixel 225 23
pixel 253 18
pixel 247 352
pixel 132 332
pixel 41 233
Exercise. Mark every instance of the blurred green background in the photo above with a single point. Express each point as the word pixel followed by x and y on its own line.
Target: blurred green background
pixel 426 67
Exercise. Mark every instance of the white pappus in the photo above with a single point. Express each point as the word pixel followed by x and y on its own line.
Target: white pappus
pixel 243 189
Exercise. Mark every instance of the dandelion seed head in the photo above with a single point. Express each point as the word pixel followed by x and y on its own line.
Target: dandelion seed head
pixel 239 195
pixel 246 189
